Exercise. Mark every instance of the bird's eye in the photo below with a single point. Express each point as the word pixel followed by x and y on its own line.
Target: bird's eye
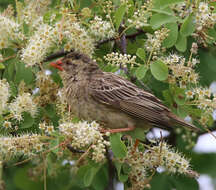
pixel 68 62
pixel 77 56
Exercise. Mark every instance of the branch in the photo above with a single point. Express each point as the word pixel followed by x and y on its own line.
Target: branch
pixel 73 150
pixel 111 170
pixel 129 36
pixel 63 53
pixel 56 55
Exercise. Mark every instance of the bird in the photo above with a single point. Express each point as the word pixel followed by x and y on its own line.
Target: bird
pixel 111 100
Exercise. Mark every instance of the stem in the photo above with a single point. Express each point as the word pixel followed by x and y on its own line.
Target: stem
pixel 111 169
pixel 149 58
pixel 7 58
pixel 44 172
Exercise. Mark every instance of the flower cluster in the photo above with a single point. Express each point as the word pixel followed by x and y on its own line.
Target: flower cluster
pixel 204 17
pixel 78 39
pixel 157 156
pixel 118 59
pixel 23 103
pixel 47 89
pixel 182 72
pixel 9 31
pixel 83 135
pixel 101 29
pixel 4 95
pixel 153 43
pixel 32 11
pixel 205 100
pixel 24 144
pixel 140 16
pixel 180 10
pixel 48 129
pixel 38 45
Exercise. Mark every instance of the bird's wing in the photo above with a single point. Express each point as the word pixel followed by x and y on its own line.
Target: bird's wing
pixel 115 91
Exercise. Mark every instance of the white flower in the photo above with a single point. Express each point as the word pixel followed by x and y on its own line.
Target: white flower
pixel 9 30
pixel 78 39
pixel 23 103
pixel 101 29
pixel 189 94
pixel 38 45
pixel 84 134
pixel 4 94
pixel 203 7
pixel 7 124
pixel 120 59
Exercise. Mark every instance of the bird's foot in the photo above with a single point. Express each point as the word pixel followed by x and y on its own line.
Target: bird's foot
pixel 136 144
pixel 117 130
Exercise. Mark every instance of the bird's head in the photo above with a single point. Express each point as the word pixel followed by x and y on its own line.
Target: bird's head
pixel 74 63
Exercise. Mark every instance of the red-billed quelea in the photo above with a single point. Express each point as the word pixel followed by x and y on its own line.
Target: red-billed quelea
pixel 110 99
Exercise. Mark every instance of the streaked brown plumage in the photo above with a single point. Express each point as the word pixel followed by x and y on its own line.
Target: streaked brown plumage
pixel 110 99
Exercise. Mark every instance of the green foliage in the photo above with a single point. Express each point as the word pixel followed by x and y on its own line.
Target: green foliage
pixel 119 14
pixel 135 26
pixel 159 70
pixel 118 147
pixel 158 20
pixel 181 44
pixel 173 35
pixel 141 71
pixel 188 26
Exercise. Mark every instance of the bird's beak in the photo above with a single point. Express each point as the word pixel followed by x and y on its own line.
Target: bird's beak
pixel 57 65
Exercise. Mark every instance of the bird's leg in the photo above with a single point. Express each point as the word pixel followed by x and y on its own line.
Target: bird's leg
pixel 69 109
pixel 118 130
pixel 136 144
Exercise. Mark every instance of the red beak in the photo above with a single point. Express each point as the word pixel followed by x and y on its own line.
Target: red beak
pixel 57 65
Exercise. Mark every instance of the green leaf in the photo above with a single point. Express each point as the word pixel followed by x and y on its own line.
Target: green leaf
pixel 22 181
pixel 159 19
pixel 212 33
pixel 137 133
pixel 181 44
pixel 173 35
pixel 90 174
pixel 118 147
pixel 188 26
pixel 54 143
pixel 141 71
pixel 119 14
pixel 50 111
pixel 163 11
pixel 179 96
pixel 28 121
pixel 2 66
pixel 164 3
pixel 23 73
pixel 159 70
pixel 121 176
pixel 25 28
pixel 182 182
pixel 101 179
pixel 141 54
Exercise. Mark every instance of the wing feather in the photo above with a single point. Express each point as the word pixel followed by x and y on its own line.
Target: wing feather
pixel 124 95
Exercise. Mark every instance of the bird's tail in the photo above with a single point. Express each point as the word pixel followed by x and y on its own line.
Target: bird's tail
pixel 183 123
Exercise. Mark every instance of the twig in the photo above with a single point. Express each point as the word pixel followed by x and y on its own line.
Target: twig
pixel 44 172
pixel 73 150
pixel 7 58
pixel 56 55
pixel 63 53
pixel 111 170
pixel 83 155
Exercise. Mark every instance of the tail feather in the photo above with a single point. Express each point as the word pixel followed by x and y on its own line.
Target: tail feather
pixel 183 123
